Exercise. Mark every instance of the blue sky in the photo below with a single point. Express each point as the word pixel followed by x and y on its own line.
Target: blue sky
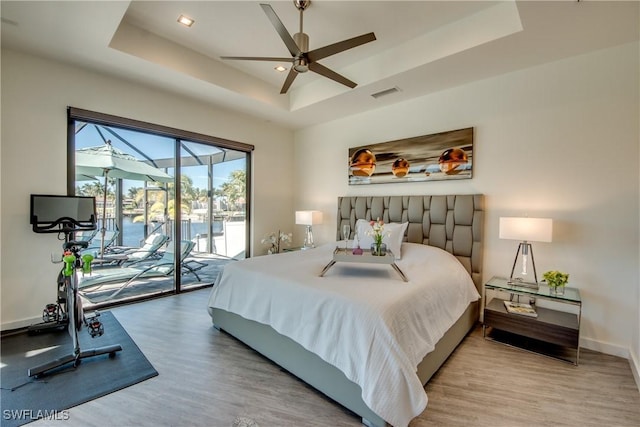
pixel 157 147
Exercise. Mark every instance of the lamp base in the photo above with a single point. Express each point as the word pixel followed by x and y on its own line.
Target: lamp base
pixel 308 239
pixel 517 281
pixel 526 249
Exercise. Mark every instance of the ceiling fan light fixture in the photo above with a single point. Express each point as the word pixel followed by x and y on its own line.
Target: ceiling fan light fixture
pixel 302 4
pixel 186 21
pixel 301 65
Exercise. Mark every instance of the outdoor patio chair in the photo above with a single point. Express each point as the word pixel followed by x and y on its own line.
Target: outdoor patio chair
pixel 95 243
pixel 161 268
pixel 126 255
pixel 84 236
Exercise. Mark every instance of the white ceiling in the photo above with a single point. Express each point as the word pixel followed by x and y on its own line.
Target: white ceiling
pixel 421 47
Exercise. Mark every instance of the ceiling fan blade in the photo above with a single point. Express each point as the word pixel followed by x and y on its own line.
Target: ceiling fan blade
pixel 282 31
pixel 324 71
pixel 290 78
pixel 332 49
pixel 257 58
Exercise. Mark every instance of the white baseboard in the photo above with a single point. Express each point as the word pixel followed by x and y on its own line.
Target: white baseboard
pixel 604 347
pixel 635 368
pixel 615 350
pixel 19 324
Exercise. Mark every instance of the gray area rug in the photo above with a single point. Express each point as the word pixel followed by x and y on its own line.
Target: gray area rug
pixel 26 399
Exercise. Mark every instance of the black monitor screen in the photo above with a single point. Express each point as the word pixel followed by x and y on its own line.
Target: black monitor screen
pixel 63 212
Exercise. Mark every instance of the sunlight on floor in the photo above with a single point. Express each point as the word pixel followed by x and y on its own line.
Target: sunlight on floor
pixel 32 353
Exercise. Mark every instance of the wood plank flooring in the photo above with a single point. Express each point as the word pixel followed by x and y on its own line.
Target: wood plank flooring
pixel 208 378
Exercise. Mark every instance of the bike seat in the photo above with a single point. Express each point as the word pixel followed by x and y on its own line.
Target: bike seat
pixel 70 244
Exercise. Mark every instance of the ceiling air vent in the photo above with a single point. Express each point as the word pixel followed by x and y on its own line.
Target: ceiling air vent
pixel 385 92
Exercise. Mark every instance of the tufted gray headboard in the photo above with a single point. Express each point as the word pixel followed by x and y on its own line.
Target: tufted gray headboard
pixel 453 223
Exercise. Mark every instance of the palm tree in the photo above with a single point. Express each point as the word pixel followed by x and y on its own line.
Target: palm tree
pixel 188 194
pixel 235 187
pixel 133 192
pixel 94 189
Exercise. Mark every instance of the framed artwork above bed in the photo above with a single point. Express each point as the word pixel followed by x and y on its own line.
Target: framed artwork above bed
pixel 439 156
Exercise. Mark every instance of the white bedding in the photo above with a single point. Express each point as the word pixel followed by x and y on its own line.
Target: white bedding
pixel 361 318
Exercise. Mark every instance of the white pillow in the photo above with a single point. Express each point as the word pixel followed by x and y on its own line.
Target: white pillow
pixel 393 233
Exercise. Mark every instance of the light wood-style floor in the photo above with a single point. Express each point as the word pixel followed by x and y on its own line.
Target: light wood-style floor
pixel 208 378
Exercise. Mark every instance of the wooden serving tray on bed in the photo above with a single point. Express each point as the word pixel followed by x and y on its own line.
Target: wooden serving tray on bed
pixel 346 255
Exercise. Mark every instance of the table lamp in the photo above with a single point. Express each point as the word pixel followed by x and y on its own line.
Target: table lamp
pixel 308 218
pixel 526 230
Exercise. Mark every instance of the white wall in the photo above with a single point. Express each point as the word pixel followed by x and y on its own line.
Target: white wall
pixel 35 96
pixel 559 140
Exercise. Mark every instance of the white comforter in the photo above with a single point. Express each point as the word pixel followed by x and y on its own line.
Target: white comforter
pixel 361 318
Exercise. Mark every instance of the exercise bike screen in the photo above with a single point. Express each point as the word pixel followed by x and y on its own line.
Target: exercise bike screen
pixel 51 210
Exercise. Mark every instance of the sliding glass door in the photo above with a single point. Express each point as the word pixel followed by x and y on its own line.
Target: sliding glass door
pixel 173 208
pixel 213 206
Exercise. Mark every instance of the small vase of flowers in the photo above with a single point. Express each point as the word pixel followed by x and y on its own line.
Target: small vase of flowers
pixel 556 281
pixel 378 247
pixel 274 241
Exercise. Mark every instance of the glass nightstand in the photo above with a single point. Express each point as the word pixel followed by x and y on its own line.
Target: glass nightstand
pixel 553 332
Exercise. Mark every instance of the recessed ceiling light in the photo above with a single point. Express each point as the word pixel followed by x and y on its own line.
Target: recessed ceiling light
pixel 280 68
pixel 185 20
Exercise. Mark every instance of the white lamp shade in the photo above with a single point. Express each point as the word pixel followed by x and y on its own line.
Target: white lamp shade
pixel 526 229
pixel 308 217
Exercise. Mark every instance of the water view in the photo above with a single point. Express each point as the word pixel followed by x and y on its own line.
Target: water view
pixel 133 232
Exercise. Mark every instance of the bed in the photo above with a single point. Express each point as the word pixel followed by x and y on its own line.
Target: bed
pixel 255 300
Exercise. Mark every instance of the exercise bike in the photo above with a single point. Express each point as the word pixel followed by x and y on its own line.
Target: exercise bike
pixel 67 215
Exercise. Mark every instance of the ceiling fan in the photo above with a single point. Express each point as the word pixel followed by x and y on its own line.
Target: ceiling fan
pixel 304 60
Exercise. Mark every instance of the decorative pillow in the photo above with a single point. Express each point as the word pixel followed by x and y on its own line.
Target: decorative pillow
pixel 393 233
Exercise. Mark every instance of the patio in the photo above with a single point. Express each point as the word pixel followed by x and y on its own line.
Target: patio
pixel 133 177
pixel 229 247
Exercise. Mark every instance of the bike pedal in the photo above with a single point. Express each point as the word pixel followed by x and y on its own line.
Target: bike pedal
pixel 51 313
pixel 95 327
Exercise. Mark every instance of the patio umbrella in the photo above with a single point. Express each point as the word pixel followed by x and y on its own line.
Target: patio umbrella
pixel 106 160
pixel 83 177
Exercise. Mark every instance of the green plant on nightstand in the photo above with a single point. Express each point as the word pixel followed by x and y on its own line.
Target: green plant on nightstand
pixel 556 280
